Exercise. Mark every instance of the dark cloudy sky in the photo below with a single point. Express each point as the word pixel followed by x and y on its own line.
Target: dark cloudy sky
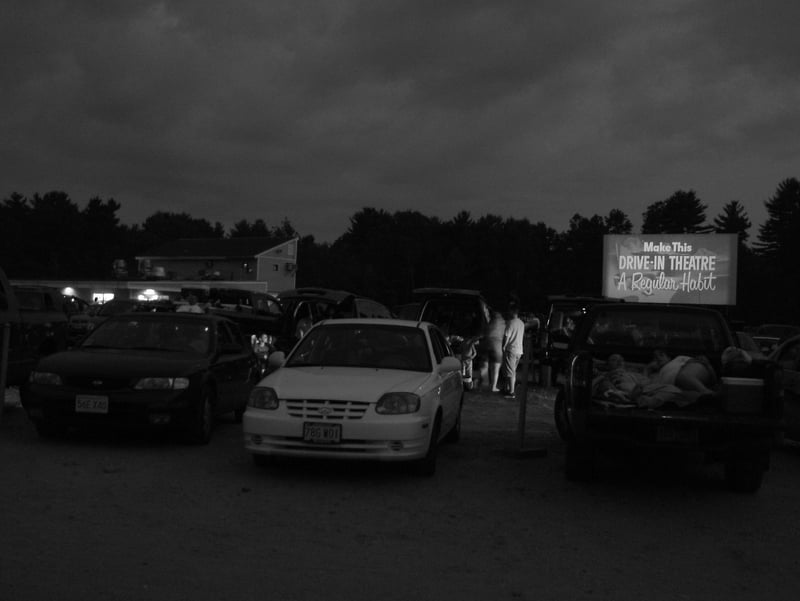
pixel 312 110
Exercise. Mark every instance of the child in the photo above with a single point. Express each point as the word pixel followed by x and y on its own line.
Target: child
pixel 469 350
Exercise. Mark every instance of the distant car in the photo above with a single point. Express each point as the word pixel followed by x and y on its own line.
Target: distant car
pixel 303 307
pixel 462 314
pixel 77 311
pixel 769 335
pixel 359 389
pixel 157 370
pixel 564 313
pixel 787 355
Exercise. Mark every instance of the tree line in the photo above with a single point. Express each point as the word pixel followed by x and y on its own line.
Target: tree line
pixel 385 255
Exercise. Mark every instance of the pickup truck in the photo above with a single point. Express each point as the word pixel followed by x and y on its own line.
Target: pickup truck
pixel 32 324
pixel 667 378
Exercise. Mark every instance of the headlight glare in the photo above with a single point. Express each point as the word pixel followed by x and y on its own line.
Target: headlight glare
pixel 262 397
pixel 46 378
pixel 162 383
pixel 394 403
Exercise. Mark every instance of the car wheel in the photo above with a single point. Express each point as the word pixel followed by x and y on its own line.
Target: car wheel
pixel 427 465
pixel 560 417
pixel 454 435
pixel 203 418
pixel 744 475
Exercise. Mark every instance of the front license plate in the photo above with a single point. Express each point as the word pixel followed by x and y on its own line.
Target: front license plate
pixel 318 433
pixel 678 435
pixel 89 403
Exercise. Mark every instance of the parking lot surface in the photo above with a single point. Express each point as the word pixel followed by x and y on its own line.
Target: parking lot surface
pixel 140 517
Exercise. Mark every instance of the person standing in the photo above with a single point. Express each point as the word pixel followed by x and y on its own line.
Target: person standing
pixel 495 331
pixel 512 349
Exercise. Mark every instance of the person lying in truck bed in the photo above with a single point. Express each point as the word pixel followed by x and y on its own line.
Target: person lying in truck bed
pixel 681 380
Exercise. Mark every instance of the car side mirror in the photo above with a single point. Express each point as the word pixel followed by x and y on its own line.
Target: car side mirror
pixel 449 364
pixel 276 360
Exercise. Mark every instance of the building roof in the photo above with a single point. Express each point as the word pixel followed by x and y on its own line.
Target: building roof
pixel 213 248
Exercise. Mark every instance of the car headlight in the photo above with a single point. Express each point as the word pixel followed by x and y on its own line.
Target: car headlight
pixel 162 384
pixel 394 403
pixel 45 377
pixel 262 397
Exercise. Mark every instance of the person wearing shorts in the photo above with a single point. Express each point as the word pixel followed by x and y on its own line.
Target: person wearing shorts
pixel 512 349
pixel 495 330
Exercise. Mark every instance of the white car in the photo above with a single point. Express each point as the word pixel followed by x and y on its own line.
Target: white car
pixel 371 389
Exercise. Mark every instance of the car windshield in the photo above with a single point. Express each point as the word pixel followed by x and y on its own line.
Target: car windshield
pixel 360 345
pixel 150 334
pixel 684 332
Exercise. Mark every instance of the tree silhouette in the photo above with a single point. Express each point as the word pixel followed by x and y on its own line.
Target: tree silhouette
pixel 778 246
pixel 617 222
pixel 386 255
pixel 733 220
pixel 245 229
pixel 15 237
pixel 778 236
pixel 681 213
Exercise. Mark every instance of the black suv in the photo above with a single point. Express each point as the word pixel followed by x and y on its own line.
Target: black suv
pixel 460 313
pixel 303 307
pixel 565 312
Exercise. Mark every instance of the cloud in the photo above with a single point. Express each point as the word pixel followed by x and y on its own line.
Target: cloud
pixel 311 110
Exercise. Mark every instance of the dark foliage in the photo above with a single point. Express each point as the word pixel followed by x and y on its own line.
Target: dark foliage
pixel 386 255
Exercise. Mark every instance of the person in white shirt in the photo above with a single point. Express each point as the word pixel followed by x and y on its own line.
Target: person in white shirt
pixel 512 349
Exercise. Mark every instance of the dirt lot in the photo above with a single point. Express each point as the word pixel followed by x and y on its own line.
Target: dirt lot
pixel 128 518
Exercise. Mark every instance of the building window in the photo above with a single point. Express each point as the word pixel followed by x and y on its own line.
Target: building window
pixel 274 267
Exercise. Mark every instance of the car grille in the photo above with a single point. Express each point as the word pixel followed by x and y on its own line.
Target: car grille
pixel 98 384
pixel 326 409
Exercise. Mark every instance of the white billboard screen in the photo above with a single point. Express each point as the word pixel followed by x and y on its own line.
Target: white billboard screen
pixel 671 268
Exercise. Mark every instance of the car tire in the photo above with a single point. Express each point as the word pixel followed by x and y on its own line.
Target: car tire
pixel 560 418
pixel 427 465
pixel 454 435
pixel 744 475
pixel 203 418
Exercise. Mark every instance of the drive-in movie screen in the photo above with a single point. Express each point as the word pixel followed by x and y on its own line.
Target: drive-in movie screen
pixel 671 268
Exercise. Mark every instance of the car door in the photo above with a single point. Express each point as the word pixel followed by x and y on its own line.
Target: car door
pixel 450 383
pixel 233 367
pixel 788 357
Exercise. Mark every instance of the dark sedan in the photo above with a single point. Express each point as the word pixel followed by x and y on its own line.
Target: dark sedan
pixel 156 370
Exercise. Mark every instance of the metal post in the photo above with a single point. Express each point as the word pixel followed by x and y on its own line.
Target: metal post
pixel 527 358
pixel 4 365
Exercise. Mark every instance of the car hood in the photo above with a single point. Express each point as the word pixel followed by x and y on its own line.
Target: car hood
pixel 122 363
pixel 347 383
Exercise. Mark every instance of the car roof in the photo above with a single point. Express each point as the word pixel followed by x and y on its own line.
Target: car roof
pixel 319 293
pixel 168 316
pixel 376 321
pixel 422 293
